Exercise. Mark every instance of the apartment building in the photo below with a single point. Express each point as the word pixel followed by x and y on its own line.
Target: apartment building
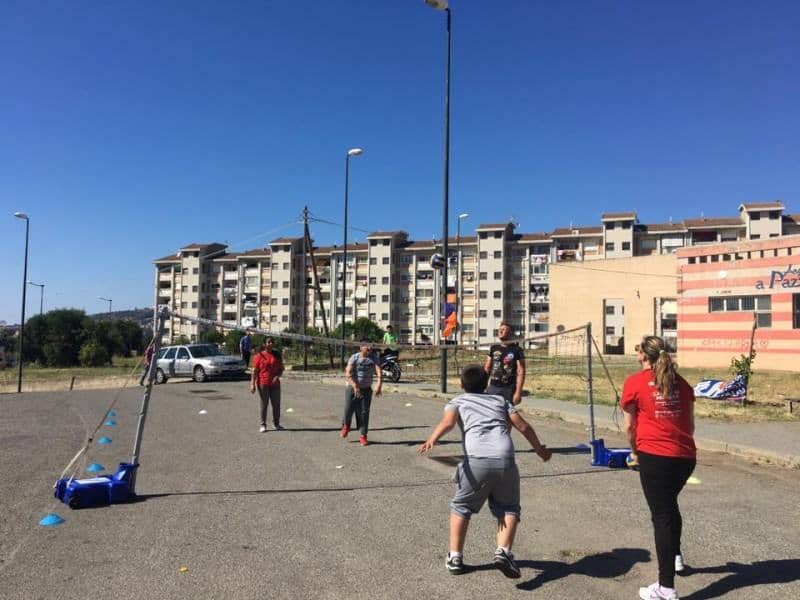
pixel 496 274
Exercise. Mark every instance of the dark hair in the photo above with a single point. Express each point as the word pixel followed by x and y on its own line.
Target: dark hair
pixel 388 327
pixel 664 372
pixel 364 342
pixel 474 379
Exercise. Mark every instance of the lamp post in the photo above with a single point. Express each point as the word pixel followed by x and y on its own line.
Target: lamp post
pixel 442 5
pixel 109 304
pixel 21 215
pixel 351 152
pixel 458 275
pixel 41 295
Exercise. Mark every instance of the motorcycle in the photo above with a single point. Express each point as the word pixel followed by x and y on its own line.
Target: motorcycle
pixel 389 362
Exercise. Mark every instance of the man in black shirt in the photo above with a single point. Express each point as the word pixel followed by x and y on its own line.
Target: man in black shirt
pixel 505 365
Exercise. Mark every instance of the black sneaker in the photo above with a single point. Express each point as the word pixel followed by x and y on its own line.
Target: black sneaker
pixel 279 428
pixel 505 562
pixel 455 565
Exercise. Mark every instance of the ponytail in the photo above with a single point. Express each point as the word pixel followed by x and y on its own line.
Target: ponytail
pixel 664 371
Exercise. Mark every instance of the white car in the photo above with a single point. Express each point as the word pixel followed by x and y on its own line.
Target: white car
pixel 198 361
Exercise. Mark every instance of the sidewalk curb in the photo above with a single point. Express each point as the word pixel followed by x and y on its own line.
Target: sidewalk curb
pixel 704 444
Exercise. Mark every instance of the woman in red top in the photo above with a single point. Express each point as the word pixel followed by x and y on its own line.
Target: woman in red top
pixel 267 369
pixel 659 420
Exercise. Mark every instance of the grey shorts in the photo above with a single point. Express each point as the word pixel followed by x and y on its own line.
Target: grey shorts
pixel 480 478
pixel 506 391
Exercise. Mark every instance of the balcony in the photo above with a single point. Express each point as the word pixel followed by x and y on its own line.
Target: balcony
pixel 230 276
pixel 165 276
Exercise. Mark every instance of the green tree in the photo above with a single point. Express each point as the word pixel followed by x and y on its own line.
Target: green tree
pixel 93 354
pixel 65 331
pixel 130 335
pixel 211 336
pixel 361 328
pixel 232 341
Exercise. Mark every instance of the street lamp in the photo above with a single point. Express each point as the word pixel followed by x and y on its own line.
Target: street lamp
pixel 350 152
pixel 458 275
pixel 41 295
pixel 442 5
pixel 22 215
pixel 109 304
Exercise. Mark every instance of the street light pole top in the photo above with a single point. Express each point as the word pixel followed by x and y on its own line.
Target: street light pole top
pixel 463 215
pixel 355 151
pixel 104 299
pixel 21 215
pixel 437 4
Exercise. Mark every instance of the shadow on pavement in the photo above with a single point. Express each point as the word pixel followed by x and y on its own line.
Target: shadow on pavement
pixel 605 565
pixel 355 429
pixel 742 575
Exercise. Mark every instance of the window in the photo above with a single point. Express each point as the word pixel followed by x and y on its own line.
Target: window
pixel 385 260
pixel 498 254
pixel 482 275
pixel 284 302
pixel 194 304
pixel 610 330
pixel 482 314
pixel 273 301
pixel 274 265
pixel 483 294
pixel 406 259
pixel 286 266
pixel 385 298
pixel 373 298
pixel 626 245
pixel 611 225
pixel 384 316
pixel 610 309
pixel 373 280
pixel 184 288
pixel 483 255
pixel 497 294
pixel 373 261
pixel 286 284
pixel 372 316
pixel 626 224
pixel 774 214
pixel 403 277
pixel 170 354
pixel 497 313
pixel 498 235
pixel 285 319
pixel 483 235
pixel 183 354
pixel 386 242
pixel 755 216
pixel 609 246
pixel 274 284
pixel 183 304
pixel 761 305
pixel 385 280
pixel 796 311
pixel 195 270
pixel 194 288
pixel 481 333
pixel 498 275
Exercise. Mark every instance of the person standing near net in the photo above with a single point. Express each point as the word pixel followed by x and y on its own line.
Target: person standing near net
pixel 505 366
pixel 358 396
pixel 245 346
pixel 659 420
pixel 489 470
pixel 148 358
pixel 267 369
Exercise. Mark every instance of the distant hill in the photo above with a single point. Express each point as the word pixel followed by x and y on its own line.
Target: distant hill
pixel 143 316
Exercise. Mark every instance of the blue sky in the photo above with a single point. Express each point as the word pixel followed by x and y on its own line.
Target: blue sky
pixel 130 129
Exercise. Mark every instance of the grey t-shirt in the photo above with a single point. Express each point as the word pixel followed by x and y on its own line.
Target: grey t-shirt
pixel 363 369
pixel 483 419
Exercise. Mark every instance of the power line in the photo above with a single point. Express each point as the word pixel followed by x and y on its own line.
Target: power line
pixel 569 266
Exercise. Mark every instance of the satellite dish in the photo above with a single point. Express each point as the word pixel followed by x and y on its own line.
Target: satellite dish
pixel 437 261
pixel 723 274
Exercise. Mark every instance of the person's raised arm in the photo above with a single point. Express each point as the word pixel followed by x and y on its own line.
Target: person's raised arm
pixel 449 420
pixel 517 397
pixel 487 365
pixel 525 429
pixel 379 375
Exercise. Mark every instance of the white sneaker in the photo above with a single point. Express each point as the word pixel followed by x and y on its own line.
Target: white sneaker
pixel 655 592
pixel 679 566
pixel 263 429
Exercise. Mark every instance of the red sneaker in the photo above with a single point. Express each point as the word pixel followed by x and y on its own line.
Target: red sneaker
pixel 362 439
pixel 345 430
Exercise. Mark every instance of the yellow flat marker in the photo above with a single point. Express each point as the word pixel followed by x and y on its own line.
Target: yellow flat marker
pixel 693 480
pixel 184 569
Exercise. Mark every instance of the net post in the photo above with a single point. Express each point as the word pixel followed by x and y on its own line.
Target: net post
pixel 589 385
pixel 151 375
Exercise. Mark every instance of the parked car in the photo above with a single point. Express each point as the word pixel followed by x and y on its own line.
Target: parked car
pixel 198 361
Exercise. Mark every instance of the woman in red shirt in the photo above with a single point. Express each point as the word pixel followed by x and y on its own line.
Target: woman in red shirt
pixel 659 420
pixel 267 369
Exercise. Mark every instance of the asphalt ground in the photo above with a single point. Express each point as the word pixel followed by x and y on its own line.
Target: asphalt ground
pixel 227 512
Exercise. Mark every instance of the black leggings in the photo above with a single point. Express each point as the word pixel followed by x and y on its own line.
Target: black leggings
pixel 663 478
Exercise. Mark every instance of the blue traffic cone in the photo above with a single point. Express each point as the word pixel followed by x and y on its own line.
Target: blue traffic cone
pixel 51 519
pixel 104 440
pixel 95 468
pixel 111 423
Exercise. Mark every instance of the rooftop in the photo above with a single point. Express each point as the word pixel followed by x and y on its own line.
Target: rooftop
pixel 618 216
pixel 704 222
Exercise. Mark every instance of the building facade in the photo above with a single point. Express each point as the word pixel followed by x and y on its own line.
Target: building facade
pixel 496 274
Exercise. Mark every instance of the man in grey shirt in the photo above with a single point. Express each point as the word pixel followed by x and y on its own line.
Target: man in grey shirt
pixel 358 396
pixel 489 470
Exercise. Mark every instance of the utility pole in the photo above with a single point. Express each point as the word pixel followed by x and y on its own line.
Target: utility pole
pixel 305 287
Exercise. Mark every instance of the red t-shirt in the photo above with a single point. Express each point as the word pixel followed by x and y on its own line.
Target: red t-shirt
pixel 267 366
pixel 663 426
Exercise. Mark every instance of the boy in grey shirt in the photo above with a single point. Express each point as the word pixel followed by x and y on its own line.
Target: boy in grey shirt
pixel 489 470
pixel 358 396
